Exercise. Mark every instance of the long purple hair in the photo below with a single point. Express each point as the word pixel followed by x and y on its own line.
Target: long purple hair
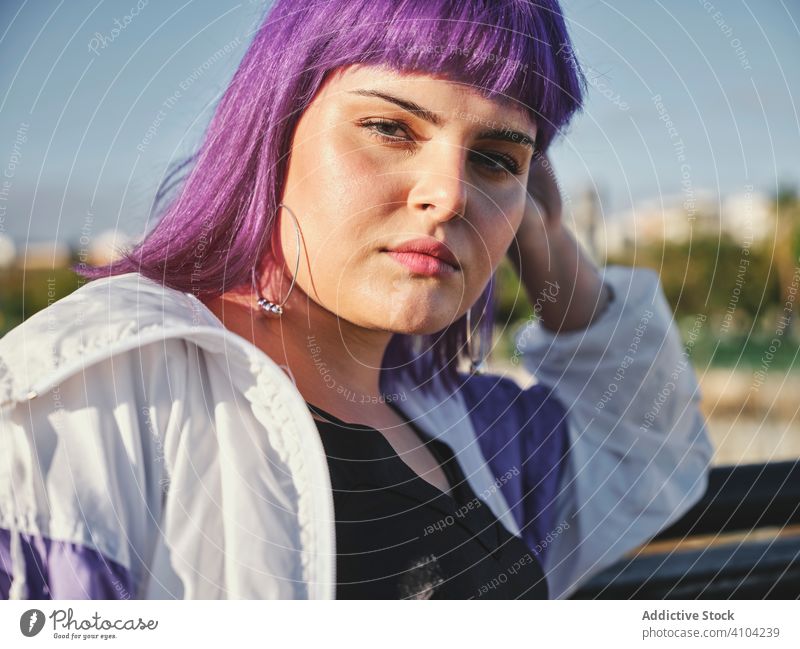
pixel 219 224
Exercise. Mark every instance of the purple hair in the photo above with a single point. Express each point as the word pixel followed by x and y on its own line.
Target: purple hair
pixel 220 223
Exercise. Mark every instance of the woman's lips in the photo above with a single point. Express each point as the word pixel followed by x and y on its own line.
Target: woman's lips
pixel 422 264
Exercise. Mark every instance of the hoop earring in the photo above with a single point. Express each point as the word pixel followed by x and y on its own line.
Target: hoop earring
pixel 267 306
pixel 477 364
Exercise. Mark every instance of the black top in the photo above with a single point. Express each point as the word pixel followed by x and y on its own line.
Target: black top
pixel 400 537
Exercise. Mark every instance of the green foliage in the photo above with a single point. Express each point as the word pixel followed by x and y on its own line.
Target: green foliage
pixel 741 289
pixel 24 292
pixel 744 351
pixel 512 302
pixel 714 276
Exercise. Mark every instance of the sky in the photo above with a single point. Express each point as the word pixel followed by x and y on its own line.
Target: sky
pixel 92 115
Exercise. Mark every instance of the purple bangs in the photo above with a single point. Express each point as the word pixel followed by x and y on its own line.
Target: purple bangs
pixel 219 222
pixel 513 51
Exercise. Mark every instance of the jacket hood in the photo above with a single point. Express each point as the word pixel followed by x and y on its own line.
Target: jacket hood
pixel 102 318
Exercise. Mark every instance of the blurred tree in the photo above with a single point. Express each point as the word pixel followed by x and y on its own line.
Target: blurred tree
pixel 787 251
pixel 24 292
pixel 712 275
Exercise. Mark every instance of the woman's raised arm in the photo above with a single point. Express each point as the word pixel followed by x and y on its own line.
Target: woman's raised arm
pixel 638 450
pixel 563 285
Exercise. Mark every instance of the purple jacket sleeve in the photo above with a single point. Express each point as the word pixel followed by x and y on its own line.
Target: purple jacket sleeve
pixel 522 431
pixel 61 570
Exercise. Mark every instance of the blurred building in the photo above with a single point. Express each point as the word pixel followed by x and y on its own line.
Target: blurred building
pixel 8 252
pixel 106 247
pixel 93 250
pixel 42 255
pixel 745 217
pixel 748 217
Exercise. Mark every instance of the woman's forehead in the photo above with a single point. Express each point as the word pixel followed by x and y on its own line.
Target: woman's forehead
pixel 420 86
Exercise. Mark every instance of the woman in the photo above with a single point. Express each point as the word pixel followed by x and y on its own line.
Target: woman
pixel 263 399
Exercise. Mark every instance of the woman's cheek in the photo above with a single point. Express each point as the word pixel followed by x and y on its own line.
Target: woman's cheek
pixel 500 230
pixel 489 238
pixel 350 165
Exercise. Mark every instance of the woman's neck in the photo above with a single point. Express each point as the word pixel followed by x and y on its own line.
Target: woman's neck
pixel 334 364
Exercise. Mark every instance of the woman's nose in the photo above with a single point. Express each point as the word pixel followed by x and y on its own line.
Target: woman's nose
pixel 440 183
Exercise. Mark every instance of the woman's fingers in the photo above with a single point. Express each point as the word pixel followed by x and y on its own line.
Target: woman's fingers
pixel 543 189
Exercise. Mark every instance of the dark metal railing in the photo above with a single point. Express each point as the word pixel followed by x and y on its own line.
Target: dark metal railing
pixel 729 565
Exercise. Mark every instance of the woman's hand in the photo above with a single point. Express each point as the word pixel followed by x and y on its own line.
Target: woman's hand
pixel 544 205
pixel 563 285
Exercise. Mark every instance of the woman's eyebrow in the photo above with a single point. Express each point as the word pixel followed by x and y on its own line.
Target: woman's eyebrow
pixel 492 133
pixel 506 135
pixel 405 104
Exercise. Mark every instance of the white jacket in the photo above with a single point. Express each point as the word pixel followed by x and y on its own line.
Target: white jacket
pixel 132 422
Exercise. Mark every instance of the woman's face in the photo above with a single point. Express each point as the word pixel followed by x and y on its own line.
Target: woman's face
pixel 381 158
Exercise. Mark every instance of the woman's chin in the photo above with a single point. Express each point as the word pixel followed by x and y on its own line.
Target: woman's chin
pixel 418 323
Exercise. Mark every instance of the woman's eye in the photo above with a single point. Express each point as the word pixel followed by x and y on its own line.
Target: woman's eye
pixel 388 131
pixel 499 162
pixel 384 128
